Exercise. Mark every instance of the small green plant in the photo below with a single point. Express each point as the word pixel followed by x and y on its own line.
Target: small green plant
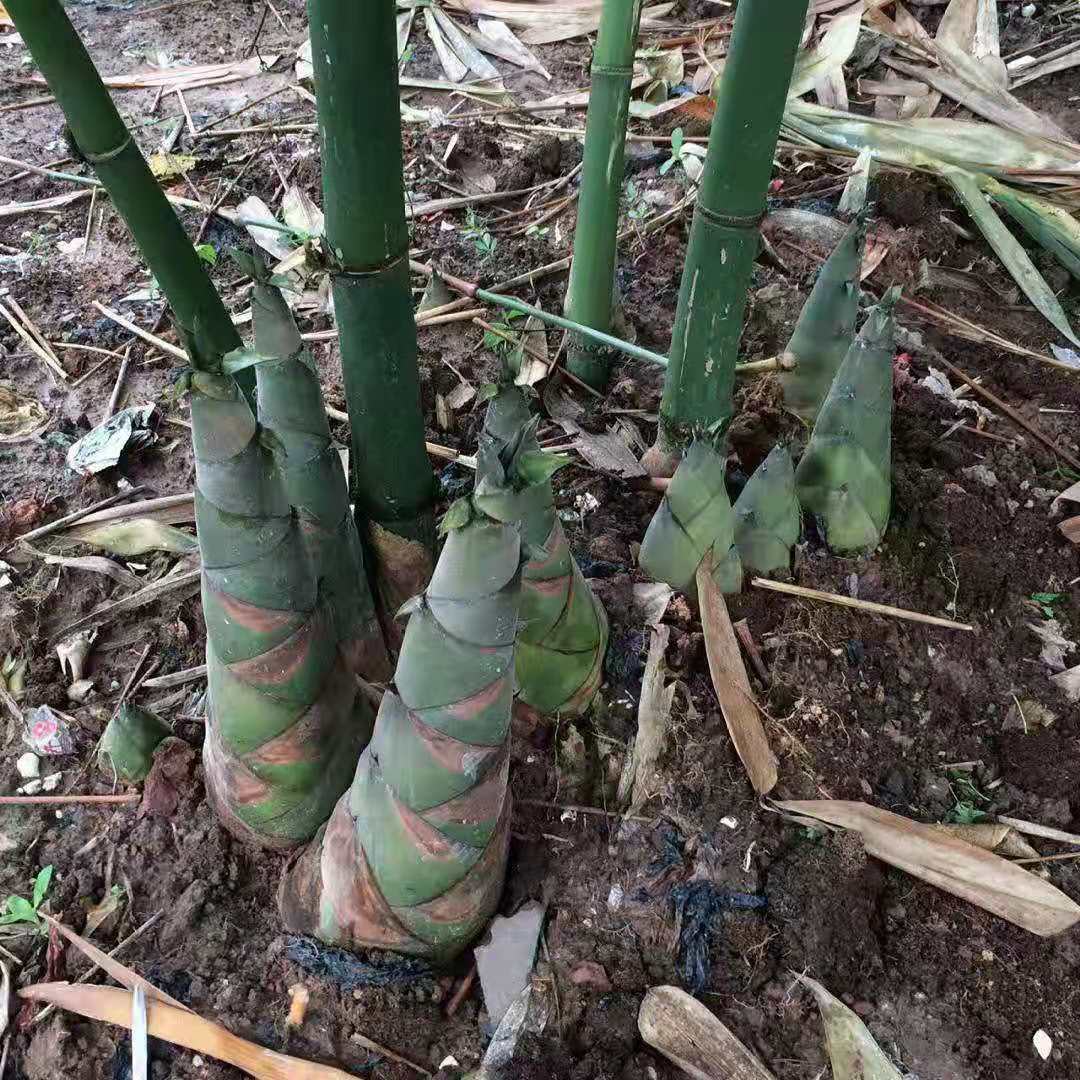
pixel 636 207
pixel 966 797
pixel 1045 601
pixel 494 342
pixel 678 143
pixel 482 239
pixel 20 911
pixel 537 232
pixel 207 253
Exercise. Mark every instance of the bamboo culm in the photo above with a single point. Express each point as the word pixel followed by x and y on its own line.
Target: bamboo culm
pixel 724 236
pixel 354 51
pixel 589 297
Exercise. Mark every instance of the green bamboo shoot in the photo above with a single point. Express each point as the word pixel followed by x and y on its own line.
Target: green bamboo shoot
pixel 414 855
pixel 845 475
pixel 767 515
pixel 288 618
pixel 126 749
pixel 724 236
pixel 589 297
pixel 695 519
pixel 826 326
pixel 563 633
pixel 354 51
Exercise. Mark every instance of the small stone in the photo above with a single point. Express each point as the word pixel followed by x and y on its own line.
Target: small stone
pixel 981 474
pixel 28 766
pixel 51 782
pixel 590 973
pixel 1043 1044
pixel 31 788
pixel 615 898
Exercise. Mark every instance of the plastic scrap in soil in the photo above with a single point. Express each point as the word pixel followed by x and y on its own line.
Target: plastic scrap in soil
pixel 350 971
pixel 47 733
pixel 697 905
pixel 126 432
pixel 506 961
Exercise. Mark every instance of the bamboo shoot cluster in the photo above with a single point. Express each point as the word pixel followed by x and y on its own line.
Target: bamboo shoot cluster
pixel 414 854
pixel 290 621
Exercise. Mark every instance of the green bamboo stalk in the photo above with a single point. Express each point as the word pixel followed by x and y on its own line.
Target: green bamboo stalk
pixel 414 855
pixel 845 475
pixel 563 632
pixel 286 722
pixel 724 234
pixel 694 519
pixel 105 142
pixel 589 296
pixel 354 51
pixel 826 326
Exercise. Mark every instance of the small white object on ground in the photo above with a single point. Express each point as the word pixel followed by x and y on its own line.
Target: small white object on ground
pixel 1043 1044
pixel 29 766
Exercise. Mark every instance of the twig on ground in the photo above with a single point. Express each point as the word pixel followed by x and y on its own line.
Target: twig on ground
pixel 378 1048
pixel 138 331
pixel 68 800
pixel 859 605
pixel 746 639
pixel 462 992
pixel 78 515
pixel 177 678
pixel 31 343
pixel 118 387
pixel 1014 416
pixel 89 972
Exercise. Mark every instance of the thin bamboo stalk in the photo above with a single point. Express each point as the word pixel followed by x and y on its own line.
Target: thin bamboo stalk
pixel 354 48
pixel 589 296
pixel 724 236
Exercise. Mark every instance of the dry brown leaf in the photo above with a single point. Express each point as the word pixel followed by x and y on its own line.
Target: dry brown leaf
pixel 94 564
pixel 1070 529
pixel 686 1033
pixel 972 27
pixel 731 684
pixel 499 40
pixel 182 1027
pixel 1068 682
pixel 637 783
pixel 954 866
pixel 992 836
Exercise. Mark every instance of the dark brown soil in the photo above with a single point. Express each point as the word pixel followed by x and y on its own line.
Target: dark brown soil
pixel 916 719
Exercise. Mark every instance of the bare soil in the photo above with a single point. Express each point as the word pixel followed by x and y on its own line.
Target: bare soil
pixel 919 720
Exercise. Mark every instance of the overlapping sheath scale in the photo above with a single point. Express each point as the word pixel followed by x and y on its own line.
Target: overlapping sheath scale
pixel 845 475
pixel 564 629
pixel 414 855
pixel 288 614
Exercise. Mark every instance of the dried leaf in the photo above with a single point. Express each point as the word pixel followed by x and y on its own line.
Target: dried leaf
pixel 1055 646
pixel 1049 67
pixel 169 166
pixel 109 905
pixel 531 366
pixel 187 77
pixel 453 66
pixel 1070 494
pixel 992 836
pixel 496 38
pixel 968 872
pixel 20 416
pixel 853 1053
pixel 555 20
pixel 686 1033
pixel 638 781
pixel 972 27
pixel 1009 250
pixel 299 212
pixel 182 1027
pixel 829 55
pixel 651 598
pixel 270 240
pixel 73 651
pixel 732 684
pixel 465 50
pixel 1068 682
pixel 94 564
